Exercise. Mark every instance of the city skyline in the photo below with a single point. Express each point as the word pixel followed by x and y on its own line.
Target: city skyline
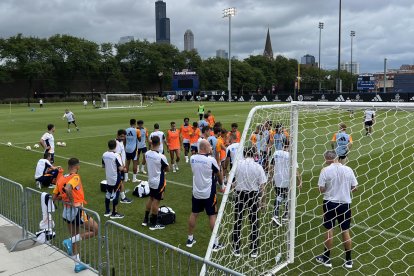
pixel 293 25
pixel 162 23
pixel 188 40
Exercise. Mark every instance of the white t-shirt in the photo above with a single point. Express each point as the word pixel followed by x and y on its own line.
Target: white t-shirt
pixel 69 116
pixel 161 135
pixel 198 143
pixel 49 141
pixel 203 167
pixel 250 176
pixel 120 149
pixel 338 180
pixel 156 162
pixel 231 152
pixel 41 167
pixel 85 102
pixel 369 115
pixel 111 161
pixel 281 162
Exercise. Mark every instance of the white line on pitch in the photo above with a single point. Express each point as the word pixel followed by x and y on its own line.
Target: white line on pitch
pixel 380 232
pixel 73 138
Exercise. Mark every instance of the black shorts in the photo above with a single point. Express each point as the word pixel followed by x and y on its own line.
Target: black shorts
pixel 186 146
pixel 209 204
pixel 158 194
pixel 131 155
pixel 194 149
pixel 340 212
pixel 282 192
pixel 342 157
pixel 368 123
pixel 143 150
pixel 73 215
pixel 72 122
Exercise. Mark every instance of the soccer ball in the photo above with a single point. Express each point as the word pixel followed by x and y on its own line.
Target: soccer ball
pixel 36 146
pixel 63 144
pixel 58 143
pixel 9 144
pixel 28 148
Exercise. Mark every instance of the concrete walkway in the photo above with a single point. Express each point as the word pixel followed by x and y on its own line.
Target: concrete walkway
pixel 31 259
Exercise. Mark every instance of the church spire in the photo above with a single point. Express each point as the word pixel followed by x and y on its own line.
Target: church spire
pixel 268 52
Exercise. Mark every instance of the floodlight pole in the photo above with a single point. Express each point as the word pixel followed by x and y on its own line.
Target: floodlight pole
pixel 338 80
pixel 352 75
pixel 229 12
pixel 319 63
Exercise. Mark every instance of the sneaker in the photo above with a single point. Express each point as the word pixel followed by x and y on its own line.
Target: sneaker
pixel 67 244
pixel 38 185
pixel 236 253
pixel 324 260
pixel 145 222
pixel 68 130
pixel 190 243
pixel 285 217
pixel 136 180
pixel 186 159
pixel 176 167
pixel 80 267
pixel 107 213
pixel 348 264
pixel 276 221
pixel 116 216
pixel 217 247
pixel 253 254
pixel 51 186
pixel 143 171
pixel 126 200
pixel 156 227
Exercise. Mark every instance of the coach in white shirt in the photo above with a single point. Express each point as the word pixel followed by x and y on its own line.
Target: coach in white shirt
pixel 160 135
pixel 204 169
pixel 250 182
pixel 336 182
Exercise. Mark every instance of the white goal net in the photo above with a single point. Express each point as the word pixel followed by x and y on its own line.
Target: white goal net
pixel 382 220
pixel 122 100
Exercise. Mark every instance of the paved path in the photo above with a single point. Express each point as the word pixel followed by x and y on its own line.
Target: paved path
pixel 31 259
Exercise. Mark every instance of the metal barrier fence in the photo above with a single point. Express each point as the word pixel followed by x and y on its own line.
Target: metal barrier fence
pixel 129 252
pixel 12 202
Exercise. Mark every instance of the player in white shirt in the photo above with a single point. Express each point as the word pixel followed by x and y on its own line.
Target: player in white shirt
pixel 120 149
pixel 103 102
pixel 40 103
pixel 280 167
pixel 336 183
pixel 231 151
pixel 204 168
pixel 157 165
pixel 205 133
pixel 48 142
pixel 85 103
pixel 46 173
pixel 249 187
pixel 70 117
pixel 114 168
pixel 132 137
pixel 369 121
pixel 94 103
pixel 160 135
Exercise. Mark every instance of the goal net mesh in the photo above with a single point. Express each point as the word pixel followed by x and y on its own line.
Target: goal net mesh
pixel 382 228
pixel 122 100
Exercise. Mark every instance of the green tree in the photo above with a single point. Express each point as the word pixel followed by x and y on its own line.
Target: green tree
pixel 109 68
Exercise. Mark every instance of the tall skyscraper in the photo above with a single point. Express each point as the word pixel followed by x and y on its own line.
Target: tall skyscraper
pixel 220 53
pixel 308 60
pixel 188 40
pixel 268 52
pixel 162 23
pixel 125 39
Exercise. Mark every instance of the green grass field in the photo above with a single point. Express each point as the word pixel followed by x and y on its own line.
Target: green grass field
pixel 382 207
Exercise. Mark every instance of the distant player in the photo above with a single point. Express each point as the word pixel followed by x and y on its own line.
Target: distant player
pixel 213 140
pixel 151 100
pixel 103 102
pixel 231 152
pixel 70 117
pixel 94 103
pixel 234 131
pixel 112 163
pixel 48 142
pixel 173 143
pixel 200 111
pixel 40 103
pixel 185 137
pixel 142 144
pixel 341 142
pixel 160 135
pixel 279 137
pixel 85 103
pixel 369 121
pixel 202 123
pixel 157 165
pixel 132 134
pixel 221 154
pixel 195 133
pixel 211 120
pixel 350 110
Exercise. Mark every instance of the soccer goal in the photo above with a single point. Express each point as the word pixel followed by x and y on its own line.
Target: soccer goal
pixel 382 206
pixel 122 101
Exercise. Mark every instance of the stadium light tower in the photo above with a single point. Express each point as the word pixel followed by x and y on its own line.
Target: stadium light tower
pixel 352 76
pixel 229 12
pixel 319 63
pixel 338 79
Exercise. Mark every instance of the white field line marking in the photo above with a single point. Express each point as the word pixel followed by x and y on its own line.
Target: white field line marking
pixel 73 138
pixel 97 165
pixel 380 232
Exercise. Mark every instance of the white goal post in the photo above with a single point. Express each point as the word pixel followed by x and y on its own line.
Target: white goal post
pixel 382 158
pixel 122 100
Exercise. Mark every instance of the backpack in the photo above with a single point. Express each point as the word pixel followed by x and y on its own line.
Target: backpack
pixel 166 215
pixel 142 189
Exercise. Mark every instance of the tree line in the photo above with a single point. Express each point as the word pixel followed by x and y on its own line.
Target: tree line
pixel 61 60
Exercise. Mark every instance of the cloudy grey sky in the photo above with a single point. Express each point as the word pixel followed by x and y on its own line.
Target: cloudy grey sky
pixel 384 28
